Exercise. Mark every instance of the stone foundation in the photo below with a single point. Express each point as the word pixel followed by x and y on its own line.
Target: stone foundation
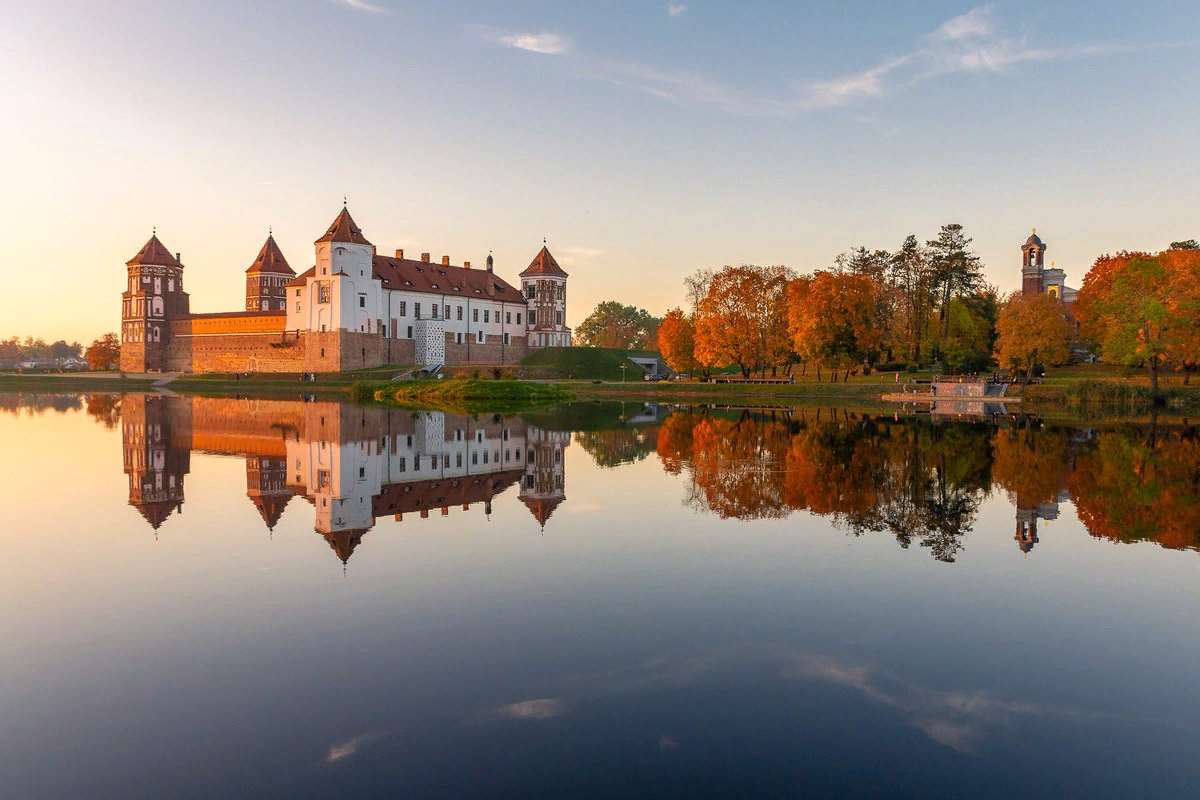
pixel 257 342
pixel 492 350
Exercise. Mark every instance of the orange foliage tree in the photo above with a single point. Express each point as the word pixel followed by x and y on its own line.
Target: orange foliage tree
pixel 1183 300
pixel 677 341
pixel 742 319
pixel 1142 309
pixel 104 353
pixel 1032 328
pixel 832 319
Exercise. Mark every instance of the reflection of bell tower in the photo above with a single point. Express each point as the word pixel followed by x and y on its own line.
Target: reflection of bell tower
pixel 154 467
pixel 543 486
pixel 266 486
pixel 1027 533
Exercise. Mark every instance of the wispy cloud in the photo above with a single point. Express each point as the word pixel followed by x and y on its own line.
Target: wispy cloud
pixel 971 43
pixel 363 6
pixel 542 708
pixel 544 42
pixel 348 748
pixel 975 23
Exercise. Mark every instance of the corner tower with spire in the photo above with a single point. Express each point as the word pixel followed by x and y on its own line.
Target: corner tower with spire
pixel 544 285
pixel 267 279
pixel 153 296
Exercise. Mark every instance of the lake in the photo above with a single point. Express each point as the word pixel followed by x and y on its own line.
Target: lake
pixel 276 598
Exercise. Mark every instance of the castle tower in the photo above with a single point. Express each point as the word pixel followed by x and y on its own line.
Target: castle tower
pixel 1033 264
pixel 544 284
pixel 153 296
pixel 267 279
pixel 543 487
pixel 266 486
pixel 155 468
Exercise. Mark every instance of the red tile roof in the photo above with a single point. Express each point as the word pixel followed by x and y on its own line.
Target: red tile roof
pixel 404 274
pixel 544 264
pixel 425 495
pixel 153 252
pixel 343 229
pixel 270 259
pixel 302 278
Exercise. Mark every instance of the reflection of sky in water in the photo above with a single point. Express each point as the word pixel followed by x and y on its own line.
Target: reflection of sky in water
pixel 635 647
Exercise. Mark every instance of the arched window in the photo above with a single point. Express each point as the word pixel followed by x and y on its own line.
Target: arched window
pixel 156 306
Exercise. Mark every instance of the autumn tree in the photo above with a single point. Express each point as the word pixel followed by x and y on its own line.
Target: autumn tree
pixel 1032 329
pixel 876 266
pixel 1129 316
pixel 104 353
pixel 832 319
pixel 1183 305
pixel 612 324
pixel 742 318
pixel 677 341
pixel 956 268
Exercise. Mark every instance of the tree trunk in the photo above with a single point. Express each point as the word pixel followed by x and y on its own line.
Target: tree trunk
pixel 1187 375
pixel 1154 374
pixel 818 372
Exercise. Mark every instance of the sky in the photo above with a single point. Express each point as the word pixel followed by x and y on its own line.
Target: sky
pixel 642 140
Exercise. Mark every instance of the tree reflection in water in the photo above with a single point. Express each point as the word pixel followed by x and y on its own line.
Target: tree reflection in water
pixel 924 482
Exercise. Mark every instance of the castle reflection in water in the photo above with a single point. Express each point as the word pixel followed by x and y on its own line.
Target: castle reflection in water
pixel 922 481
pixel 352 464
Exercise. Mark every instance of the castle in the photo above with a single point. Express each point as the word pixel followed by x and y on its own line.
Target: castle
pixel 353 309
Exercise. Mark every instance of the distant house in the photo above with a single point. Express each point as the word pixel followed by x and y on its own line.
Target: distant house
pixel 36 363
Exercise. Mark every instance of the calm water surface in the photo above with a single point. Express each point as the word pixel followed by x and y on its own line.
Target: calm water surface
pixel 235 598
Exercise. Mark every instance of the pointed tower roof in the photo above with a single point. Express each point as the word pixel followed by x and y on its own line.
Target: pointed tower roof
pixel 542 508
pixel 344 542
pixel 544 264
pixel 155 513
pixel 344 229
pixel 270 507
pixel 270 259
pixel 154 252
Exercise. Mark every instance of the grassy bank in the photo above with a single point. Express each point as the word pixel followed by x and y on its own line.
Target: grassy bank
pixel 588 363
pixel 1109 394
pixel 462 394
